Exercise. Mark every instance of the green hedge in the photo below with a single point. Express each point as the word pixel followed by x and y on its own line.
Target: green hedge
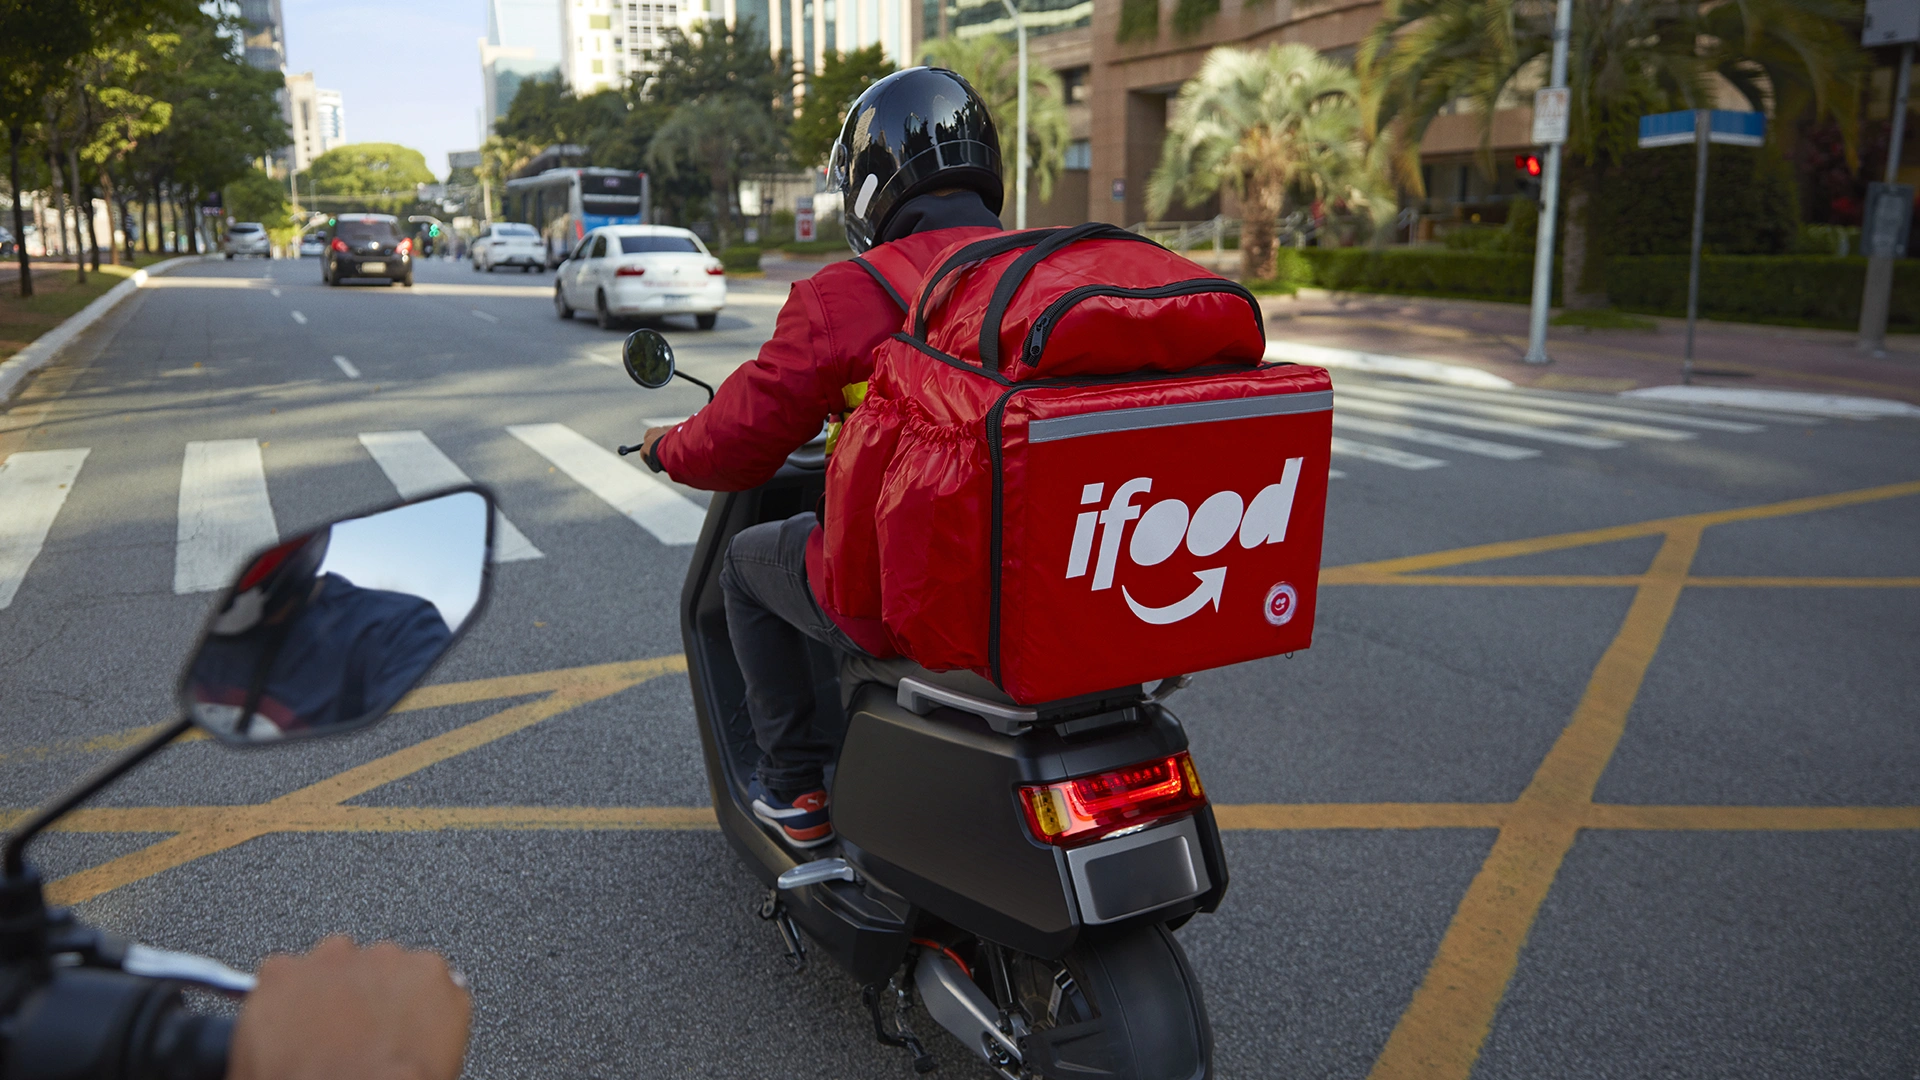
pixel 1412 271
pixel 741 258
pixel 1822 290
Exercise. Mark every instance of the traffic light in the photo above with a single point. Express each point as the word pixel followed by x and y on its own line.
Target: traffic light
pixel 1526 168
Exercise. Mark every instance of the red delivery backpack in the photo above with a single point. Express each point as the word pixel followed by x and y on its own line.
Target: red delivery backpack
pixel 1072 470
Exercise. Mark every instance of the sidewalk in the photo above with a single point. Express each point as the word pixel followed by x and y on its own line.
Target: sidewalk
pixel 1493 337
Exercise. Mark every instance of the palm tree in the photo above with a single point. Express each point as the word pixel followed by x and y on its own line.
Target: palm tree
pixel 1264 124
pixel 725 135
pixel 1626 58
pixel 992 66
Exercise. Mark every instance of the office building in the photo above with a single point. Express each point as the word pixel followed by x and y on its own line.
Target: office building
pixel 331 119
pixel 265 34
pixel 316 119
pixel 522 42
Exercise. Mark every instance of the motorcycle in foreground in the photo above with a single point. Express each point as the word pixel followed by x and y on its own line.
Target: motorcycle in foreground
pixel 1016 870
pixel 319 635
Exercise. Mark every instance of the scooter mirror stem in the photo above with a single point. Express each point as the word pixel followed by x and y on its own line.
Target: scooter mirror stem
pixel 681 374
pixel 16 849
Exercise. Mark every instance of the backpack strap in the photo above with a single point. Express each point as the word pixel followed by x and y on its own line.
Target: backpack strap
pixel 1015 274
pixel 894 272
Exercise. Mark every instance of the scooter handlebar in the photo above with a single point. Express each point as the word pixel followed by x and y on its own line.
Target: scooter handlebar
pixel 89 1024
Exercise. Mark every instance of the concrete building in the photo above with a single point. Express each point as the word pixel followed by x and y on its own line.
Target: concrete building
pixel 316 118
pixel 522 42
pixel 808 30
pixel 266 34
pixel 332 119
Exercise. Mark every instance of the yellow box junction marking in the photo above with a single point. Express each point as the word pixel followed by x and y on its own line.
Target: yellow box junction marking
pixel 1450 1014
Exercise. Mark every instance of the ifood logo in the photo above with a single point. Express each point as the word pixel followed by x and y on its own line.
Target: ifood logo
pixel 1164 527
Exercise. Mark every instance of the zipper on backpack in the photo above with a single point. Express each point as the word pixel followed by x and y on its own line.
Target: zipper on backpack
pixel 995 551
pixel 1043 327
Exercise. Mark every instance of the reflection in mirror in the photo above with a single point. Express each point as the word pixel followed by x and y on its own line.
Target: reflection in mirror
pixel 649 358
pixel 326 632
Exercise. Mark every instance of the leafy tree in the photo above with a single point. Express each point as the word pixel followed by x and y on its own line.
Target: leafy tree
pixel 829 93
pixel 723 114
pixel 123 108
pixel 717 59
pixel 722 135
pixel 1626 58
pixel 255 196
pixel 375 175
pixel 1264 124
pixel 992 65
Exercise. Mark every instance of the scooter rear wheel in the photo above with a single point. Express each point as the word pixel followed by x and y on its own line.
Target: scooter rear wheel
pixel 1122 1003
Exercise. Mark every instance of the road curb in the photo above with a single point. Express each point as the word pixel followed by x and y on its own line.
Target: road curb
pixel 48 345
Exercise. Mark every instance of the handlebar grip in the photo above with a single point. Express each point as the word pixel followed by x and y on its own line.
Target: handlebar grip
pixel 89 1024
pixel 188 1046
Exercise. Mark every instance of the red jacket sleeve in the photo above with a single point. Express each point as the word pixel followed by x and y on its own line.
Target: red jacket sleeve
pixel 767 408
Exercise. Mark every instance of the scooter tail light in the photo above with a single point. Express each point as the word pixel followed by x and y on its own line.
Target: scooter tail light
pixel 631 271
pixel 1088 808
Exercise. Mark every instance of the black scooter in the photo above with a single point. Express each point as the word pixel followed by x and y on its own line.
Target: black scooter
pixel 274 666
pixel 1015 870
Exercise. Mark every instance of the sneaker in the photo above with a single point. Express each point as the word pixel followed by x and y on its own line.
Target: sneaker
pixel 803 822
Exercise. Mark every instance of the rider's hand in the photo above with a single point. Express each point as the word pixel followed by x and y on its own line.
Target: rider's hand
pixel 346 1013
pixel 646 443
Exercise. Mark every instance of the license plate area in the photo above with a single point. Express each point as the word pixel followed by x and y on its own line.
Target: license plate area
pixel 373 268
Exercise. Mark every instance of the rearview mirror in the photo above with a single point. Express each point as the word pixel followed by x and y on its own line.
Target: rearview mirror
pixel 326 632
pixel 649 358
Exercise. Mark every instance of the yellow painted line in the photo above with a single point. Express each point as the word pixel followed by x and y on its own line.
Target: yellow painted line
pixel 1508 549
pixel 1803 583
pixel 1344 576
pixel 1305 816
pixel 572 688
pixel 1440 1034
pixel 1754 818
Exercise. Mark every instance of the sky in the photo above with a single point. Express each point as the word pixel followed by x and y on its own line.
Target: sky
pixel 408 72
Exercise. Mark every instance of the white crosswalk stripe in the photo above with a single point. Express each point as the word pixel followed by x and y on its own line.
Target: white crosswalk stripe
pixel 1502 397
pixel 416 467
pixel 225 515
pixel 672 518
pixel 1349 403
pixel 1384 455
pixel 1442 439
pixel 33 487
pixel 1529 416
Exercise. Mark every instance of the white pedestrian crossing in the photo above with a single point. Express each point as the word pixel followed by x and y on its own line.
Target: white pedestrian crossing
pixel 1442 439
pixel 225 514
pixel 1705 423
pixel 417 467
pixel 34 485
pixel 1529 416
pixel 1348 403
pixel 671 517
pixel 1384 455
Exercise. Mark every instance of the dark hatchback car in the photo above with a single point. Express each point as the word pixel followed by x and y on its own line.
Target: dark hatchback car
pixel 366 246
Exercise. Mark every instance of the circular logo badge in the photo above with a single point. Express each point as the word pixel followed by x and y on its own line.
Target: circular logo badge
pixel 1280 605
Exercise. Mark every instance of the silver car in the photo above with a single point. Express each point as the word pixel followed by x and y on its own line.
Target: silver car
pixel 248 238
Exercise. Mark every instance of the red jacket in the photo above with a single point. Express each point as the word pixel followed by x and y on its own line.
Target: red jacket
pixel 823 342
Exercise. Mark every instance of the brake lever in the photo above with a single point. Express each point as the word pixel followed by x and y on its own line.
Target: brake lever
pixel 152 963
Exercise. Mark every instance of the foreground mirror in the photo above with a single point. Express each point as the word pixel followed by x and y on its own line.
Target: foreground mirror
pixel 326 632
pixel 649 358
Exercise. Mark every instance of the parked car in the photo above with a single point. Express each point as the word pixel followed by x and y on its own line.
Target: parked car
pixel 248 238
pixel 509 244
pixel 313 242
pixel 621 272
pixel 364 246
pixel 6 243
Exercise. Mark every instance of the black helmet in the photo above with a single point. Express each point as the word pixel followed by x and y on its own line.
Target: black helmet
pixel 915 131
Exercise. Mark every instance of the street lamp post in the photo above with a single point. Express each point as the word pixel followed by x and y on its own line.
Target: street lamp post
pixel 1549 188
pixel 1020 128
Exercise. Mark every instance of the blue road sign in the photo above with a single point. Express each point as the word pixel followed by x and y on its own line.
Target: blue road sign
pixel 1727 128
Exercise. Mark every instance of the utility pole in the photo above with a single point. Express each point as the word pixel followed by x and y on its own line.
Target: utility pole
pixel 1020 157
pixel 1551 117
pixel 1885 227
pixel 1702 134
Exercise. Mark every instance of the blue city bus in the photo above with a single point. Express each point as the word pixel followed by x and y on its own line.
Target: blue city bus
pixel 565 204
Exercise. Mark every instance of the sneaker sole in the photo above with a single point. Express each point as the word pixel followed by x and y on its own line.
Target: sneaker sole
pixel 799 841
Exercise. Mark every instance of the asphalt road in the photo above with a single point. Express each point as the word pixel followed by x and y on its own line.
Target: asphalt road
pixel 1639 801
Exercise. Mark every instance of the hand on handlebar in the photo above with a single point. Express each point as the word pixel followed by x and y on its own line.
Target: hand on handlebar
pixel 346 1013
pixel 647 443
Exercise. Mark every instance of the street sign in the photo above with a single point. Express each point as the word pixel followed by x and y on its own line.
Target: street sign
pixel 1550 111
pixel 1728 128
pixel 1891 22
pixel 1889 217
pixel 803 219
pixel 1119 191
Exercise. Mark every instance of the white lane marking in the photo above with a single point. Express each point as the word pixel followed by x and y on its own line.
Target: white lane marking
pixel 664 421
pixel 275 292
pixel 1519 415
pixel 299 318
pixel 1349 404
pixel 225 515
pixel 416 467
pixel 33 487
pixel 346 366
pixel 1787 401
pixel 1404 366
pixel 1384 455
pixel 1336 474
pixel 478 314
pixel 1565 405
pixel 1445 440
pixel 671 517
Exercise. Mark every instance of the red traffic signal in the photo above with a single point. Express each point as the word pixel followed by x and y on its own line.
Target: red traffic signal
pixel 1527 164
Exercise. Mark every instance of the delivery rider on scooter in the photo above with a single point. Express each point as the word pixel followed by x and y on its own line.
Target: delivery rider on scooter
pixel 900 190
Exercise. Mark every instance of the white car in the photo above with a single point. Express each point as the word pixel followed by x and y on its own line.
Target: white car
pixel 509 244
pixel 622 272
pixel 313 243
pixel 248 238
